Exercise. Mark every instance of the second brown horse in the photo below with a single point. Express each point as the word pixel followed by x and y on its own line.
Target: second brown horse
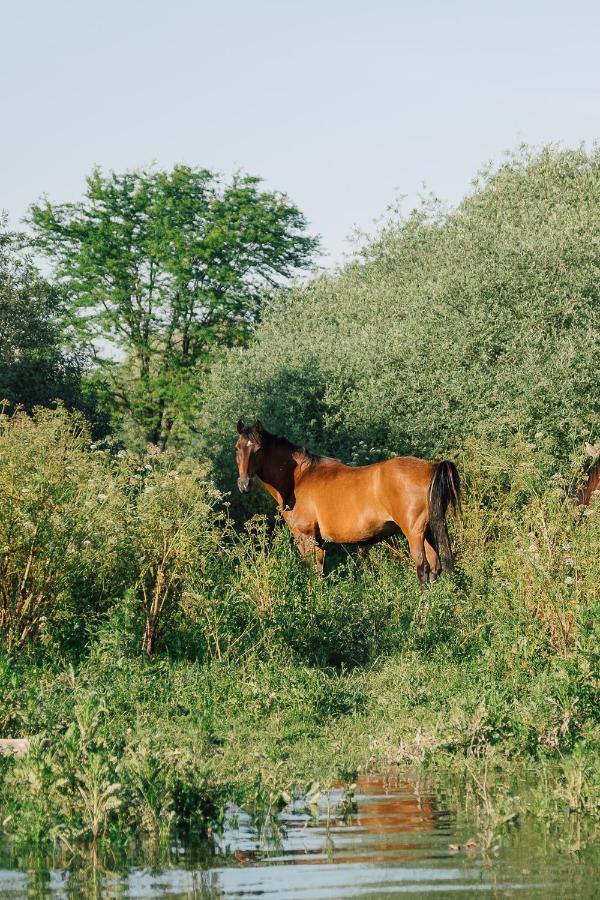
pixel 323 500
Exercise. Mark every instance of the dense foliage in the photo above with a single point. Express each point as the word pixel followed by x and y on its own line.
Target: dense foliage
pixel 38 362
pixel 485 318
pixel 79 528
pixel 168 267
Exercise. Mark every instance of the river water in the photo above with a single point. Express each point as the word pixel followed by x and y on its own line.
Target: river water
pixel 387 838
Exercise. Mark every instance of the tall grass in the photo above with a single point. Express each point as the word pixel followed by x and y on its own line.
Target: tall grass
pixel 138 546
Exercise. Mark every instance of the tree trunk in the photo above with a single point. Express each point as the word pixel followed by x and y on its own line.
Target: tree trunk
pixel 165 431
pixel 154 431
pixel 149 642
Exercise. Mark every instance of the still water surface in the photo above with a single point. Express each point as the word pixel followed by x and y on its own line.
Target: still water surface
pixel 390 838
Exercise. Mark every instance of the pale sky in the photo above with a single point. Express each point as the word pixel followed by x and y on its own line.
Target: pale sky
pixel 342 104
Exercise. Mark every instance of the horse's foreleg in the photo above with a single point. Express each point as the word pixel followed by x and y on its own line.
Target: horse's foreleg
pixel 319 559
pixel 310 551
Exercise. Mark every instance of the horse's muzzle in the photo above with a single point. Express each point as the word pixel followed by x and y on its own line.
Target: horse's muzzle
pixel 244 485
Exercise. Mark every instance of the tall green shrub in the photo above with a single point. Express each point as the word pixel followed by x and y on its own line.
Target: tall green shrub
pixel 59 535
pixel 171 528
pixel 80 529
pixel 446 323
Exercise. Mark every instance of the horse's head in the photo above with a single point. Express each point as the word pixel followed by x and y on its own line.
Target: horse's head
pixel 248 453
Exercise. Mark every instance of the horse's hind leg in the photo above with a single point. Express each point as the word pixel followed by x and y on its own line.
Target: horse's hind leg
pixel 435 566
pixel 361 552
pixel 416 545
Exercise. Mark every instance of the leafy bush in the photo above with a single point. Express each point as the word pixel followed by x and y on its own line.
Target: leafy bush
pixel 346 619
pixel 57 540
pixel 79 528
pixel 170 527
pixel 485 317
pixel 84 777
pixel 259 599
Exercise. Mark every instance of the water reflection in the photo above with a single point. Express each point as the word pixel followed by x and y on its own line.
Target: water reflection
pixel 385 837
pixel 369 825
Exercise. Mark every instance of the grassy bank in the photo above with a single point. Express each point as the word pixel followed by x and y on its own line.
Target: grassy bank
pixel 264 676
pixel 133 750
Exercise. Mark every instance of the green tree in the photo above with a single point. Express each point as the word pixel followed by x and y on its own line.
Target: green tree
pixel 168 267
pixel 38 362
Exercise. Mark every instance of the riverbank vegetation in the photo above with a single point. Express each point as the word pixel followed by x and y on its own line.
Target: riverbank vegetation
pixel 164 647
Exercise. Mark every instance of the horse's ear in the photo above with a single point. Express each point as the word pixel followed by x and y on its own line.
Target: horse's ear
pixel 258 427
pixel 240 427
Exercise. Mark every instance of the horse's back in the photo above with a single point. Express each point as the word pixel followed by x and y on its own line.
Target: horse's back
pixel 331 475
pixel 350 504
pixel 411 469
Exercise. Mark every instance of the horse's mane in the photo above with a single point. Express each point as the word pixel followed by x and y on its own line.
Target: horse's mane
pixel 302 456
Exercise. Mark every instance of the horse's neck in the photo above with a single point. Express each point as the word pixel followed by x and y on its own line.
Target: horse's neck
pixel 278 475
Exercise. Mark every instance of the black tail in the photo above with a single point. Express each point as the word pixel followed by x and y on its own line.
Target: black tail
pixel 444 490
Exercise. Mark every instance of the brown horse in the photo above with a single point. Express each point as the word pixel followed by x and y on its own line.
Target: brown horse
pixel 322 500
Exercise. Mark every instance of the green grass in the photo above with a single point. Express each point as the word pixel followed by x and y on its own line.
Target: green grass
pixel 265 675
pixel 127 745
